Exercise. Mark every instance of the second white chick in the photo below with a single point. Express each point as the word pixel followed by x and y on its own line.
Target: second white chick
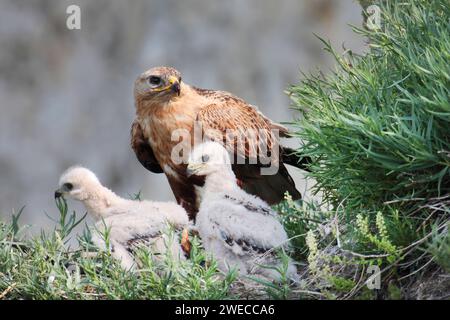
pixel 131 222
pixel 239 229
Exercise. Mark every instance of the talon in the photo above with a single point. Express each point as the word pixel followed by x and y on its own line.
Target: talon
pixel 185 243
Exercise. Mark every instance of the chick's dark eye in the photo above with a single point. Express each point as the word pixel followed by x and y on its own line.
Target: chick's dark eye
pixel 154 80
pixel 205 158
pixel 68 186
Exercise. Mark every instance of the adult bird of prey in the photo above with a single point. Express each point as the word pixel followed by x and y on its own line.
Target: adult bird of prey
pixel 164 104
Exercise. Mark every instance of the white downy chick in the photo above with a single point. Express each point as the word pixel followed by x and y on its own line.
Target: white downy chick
pixel 131 222
pixel 239 229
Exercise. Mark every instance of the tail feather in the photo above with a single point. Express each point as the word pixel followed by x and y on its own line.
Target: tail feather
pixel 270 188
pixel 291 157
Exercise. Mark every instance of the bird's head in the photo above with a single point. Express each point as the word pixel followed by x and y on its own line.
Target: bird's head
pixel 209 158
pixel 159 84
pixel 76 183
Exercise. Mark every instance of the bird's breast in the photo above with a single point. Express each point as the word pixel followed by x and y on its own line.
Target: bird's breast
pixel 170 136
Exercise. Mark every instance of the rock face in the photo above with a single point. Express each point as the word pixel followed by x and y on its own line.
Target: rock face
pixel 66 95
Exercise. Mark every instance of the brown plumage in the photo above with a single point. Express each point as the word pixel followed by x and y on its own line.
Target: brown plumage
pixel 164 104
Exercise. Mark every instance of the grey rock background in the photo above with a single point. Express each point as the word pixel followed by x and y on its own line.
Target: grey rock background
pixel 66 96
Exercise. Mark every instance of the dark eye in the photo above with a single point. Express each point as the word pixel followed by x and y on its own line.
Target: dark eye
pixel 205 158
pixel 154 80
pixel 68 186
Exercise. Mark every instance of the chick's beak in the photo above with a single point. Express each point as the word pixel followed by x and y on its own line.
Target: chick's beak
pixel 191 169
pixel 189 172
pixel 58 194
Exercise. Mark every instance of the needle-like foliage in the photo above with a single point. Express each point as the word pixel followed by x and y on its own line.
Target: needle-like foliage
pixel 378 131
pixel 45 267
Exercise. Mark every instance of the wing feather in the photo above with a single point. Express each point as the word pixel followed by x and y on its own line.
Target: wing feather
pixel 248 127
pixel 143 150
pixel 141 240
pixel 261 232
pixel 228 112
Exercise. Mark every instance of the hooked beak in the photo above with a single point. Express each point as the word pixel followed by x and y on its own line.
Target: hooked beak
pixel 175 85
pixel 192 169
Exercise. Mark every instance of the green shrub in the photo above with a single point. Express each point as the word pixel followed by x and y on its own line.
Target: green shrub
pixel 378 127
pixel 378 131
